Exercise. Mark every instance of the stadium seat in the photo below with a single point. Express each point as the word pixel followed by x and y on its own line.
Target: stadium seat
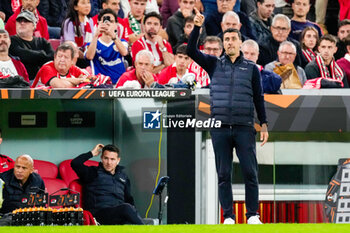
pixel 67 173
pixel 52 185
pixel 76 186
pixel 55 43
pixel 45 169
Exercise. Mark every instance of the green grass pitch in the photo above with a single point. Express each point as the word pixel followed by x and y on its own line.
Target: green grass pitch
pixel 239 228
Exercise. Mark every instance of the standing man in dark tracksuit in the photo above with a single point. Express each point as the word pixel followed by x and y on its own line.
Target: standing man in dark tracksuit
pixel 235 90
pixel 106 187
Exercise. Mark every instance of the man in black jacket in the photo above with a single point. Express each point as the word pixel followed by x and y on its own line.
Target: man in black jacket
pixel 213 21
pixel 235 91
pixel 280 29
pixel 19 181
pixel 33 51
pixel 106 187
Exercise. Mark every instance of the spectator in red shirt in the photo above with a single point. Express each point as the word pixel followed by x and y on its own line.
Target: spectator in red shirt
pixel 30 5
pixel 160 48
pixel 177 71
pixel 141 76
pixel 9 65
pixel 6 163
pixel 344 62
pixel 60 73
pixel 132 22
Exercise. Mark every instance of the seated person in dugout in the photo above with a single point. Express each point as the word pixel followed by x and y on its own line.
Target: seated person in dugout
pixel 19 181
pixel 106 187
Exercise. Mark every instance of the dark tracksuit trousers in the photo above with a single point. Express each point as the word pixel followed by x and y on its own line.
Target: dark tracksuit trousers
pixel 120 214
pixel 242 138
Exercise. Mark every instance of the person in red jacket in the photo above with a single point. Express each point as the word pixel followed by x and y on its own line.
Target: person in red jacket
pixel 9 65
pixel 6 163
pixel 344 62
pixel 41 29
pixel 177 71
pixel 344 11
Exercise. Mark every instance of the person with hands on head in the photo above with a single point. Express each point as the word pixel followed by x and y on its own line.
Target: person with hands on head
pixel 141 76
pixel 235 90
pixel 106 187
pixel 176 23
pixel 106 50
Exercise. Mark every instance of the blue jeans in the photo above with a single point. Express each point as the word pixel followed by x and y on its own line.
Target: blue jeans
pixel 242 138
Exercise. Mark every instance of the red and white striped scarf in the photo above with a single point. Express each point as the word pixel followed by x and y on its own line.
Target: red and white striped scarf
pixel 84 39
pixel 335 73
pixel 309 54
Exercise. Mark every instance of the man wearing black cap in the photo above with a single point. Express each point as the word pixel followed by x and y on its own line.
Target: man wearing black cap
pixel 33 51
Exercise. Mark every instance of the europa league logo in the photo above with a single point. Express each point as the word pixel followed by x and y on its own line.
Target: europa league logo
pixel 102 94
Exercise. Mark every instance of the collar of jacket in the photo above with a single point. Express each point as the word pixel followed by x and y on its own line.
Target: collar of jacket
pixel 239 59
pixel 117 169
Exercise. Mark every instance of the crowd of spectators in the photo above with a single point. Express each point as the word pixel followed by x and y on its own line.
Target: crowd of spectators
pixel 142 43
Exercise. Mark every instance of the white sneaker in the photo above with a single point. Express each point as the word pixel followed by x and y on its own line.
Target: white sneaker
pixel 229 221
pixel 254 220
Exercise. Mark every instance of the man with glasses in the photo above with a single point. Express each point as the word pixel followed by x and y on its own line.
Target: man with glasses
pixel 212 46
pixel 299 21
pixel 41 29
pixel 106 50
pixel 280 29
pixel 286 55
pixel 33 51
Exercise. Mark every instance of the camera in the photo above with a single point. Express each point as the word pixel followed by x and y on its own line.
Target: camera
pixel 106 19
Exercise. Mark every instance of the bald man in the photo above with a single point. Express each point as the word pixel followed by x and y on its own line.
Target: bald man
pixel 19 181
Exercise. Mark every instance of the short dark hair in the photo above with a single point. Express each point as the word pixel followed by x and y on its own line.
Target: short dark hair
pixel 107 11
pixel 111 148
pixel 232 30
pixel 0 132
pixel 328 37
pixel 343 23
pixel 292 1
pixel 181 49
pixel 65 47
pixel 3 31
pixel 189 19
pixel 153 14
pixel 213 39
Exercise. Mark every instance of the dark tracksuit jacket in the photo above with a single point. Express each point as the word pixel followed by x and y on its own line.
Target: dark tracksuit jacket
pixel 101 188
